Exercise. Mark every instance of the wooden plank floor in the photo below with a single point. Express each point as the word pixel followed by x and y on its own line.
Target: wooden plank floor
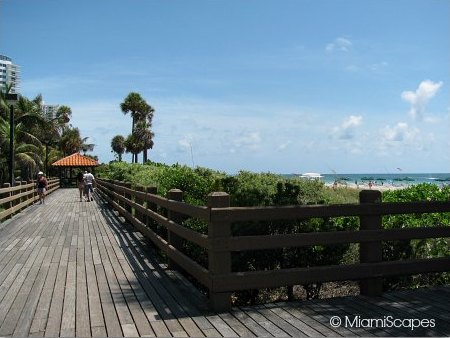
pixel 70 268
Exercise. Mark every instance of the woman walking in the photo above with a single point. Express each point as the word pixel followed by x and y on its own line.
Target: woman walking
pixel 80 182
pixel 42 185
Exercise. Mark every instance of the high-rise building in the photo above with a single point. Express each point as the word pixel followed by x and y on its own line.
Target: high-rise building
pixel 50 110
pixel 9 75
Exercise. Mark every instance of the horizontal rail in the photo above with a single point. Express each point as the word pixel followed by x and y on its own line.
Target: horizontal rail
pixel 240 214
pixel 19 195
pixel 274 278
pixel 20 199
pixel 263 242
pixel 17 187
pixel 186 233
pixel 181 207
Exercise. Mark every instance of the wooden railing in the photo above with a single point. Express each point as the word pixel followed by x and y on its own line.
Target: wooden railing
pixel 140 208
pixel 14 199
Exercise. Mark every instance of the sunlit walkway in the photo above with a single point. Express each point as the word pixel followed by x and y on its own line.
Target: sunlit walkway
pixel 70 268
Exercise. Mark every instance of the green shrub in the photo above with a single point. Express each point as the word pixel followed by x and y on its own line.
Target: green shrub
pixel 414 249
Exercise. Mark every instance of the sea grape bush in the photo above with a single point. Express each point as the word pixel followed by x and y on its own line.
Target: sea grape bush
pixel 424 248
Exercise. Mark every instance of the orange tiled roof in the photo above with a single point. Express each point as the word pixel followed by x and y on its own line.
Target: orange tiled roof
pixel 75 160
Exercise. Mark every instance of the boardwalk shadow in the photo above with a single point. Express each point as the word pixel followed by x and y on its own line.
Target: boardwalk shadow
pixel 169 292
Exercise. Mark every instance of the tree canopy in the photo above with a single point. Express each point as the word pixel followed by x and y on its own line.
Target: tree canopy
pixel 38 140
pixel 141 137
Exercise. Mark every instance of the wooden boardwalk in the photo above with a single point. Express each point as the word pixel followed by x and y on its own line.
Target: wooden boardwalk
pixel 70 268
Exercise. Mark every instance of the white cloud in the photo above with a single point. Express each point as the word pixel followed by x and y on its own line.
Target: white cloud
pixel 400 133
pixel 251 140
pixel 398 140
pixel 184 143
pixel 352 121
pixel 339 44
pixel 419 98
pixel 284 145
pixel 378 66
pixel 432 119
pixel 352 68
pixel 347 129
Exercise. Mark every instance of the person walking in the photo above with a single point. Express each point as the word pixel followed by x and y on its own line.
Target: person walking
pixel 80 183
pixel 42 185
pixel 89 181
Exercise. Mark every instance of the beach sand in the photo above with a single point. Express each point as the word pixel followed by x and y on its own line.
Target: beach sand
pixel 365 186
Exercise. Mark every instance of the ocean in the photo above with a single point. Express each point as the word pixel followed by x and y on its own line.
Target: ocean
pixel 397 179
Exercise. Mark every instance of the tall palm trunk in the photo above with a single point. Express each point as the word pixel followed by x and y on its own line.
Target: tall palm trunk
pixel 134 157
pixel 144 156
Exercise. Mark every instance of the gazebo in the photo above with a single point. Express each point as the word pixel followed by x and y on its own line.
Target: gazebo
pixel 67 165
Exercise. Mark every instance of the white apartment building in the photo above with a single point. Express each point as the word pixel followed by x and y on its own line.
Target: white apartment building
pixel 9 74
pixel 50 110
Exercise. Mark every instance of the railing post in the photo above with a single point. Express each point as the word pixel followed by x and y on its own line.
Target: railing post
pixel 370 252
pixel 109 190
pixel 16 192
pixel 8 205
pixel 174 239
pixel 112 190
pixel 127 195
pixel 23 189
pixel 139 215
pixel 151 206
pixel 30 189
pixel 219 260
pixel 34 191
pixel 118 201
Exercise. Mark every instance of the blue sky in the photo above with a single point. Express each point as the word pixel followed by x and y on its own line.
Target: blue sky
pixel 281 86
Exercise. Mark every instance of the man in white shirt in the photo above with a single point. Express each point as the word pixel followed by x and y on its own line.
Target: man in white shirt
pixel 89 181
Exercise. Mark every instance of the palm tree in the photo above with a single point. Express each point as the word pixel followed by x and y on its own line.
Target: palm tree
pixel 140 111
pixel 132 145
pixel 145 138
pixel 144 132
pixel 27 147
pixel 28 152
pixel 70 141
pixel 50 132
pixel 85 147
pixel 118 145
pixel 53 155
pixel 36 136
pixel 64 113
pixel 132 104
pixel 4 107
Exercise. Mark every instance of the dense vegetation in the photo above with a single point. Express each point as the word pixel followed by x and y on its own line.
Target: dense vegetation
pixel 264 189
pixel 424 248
pixel 246 188
pixel 38 139
pixel 41 139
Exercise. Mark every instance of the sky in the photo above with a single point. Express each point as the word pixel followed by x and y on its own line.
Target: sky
pixel 343 86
